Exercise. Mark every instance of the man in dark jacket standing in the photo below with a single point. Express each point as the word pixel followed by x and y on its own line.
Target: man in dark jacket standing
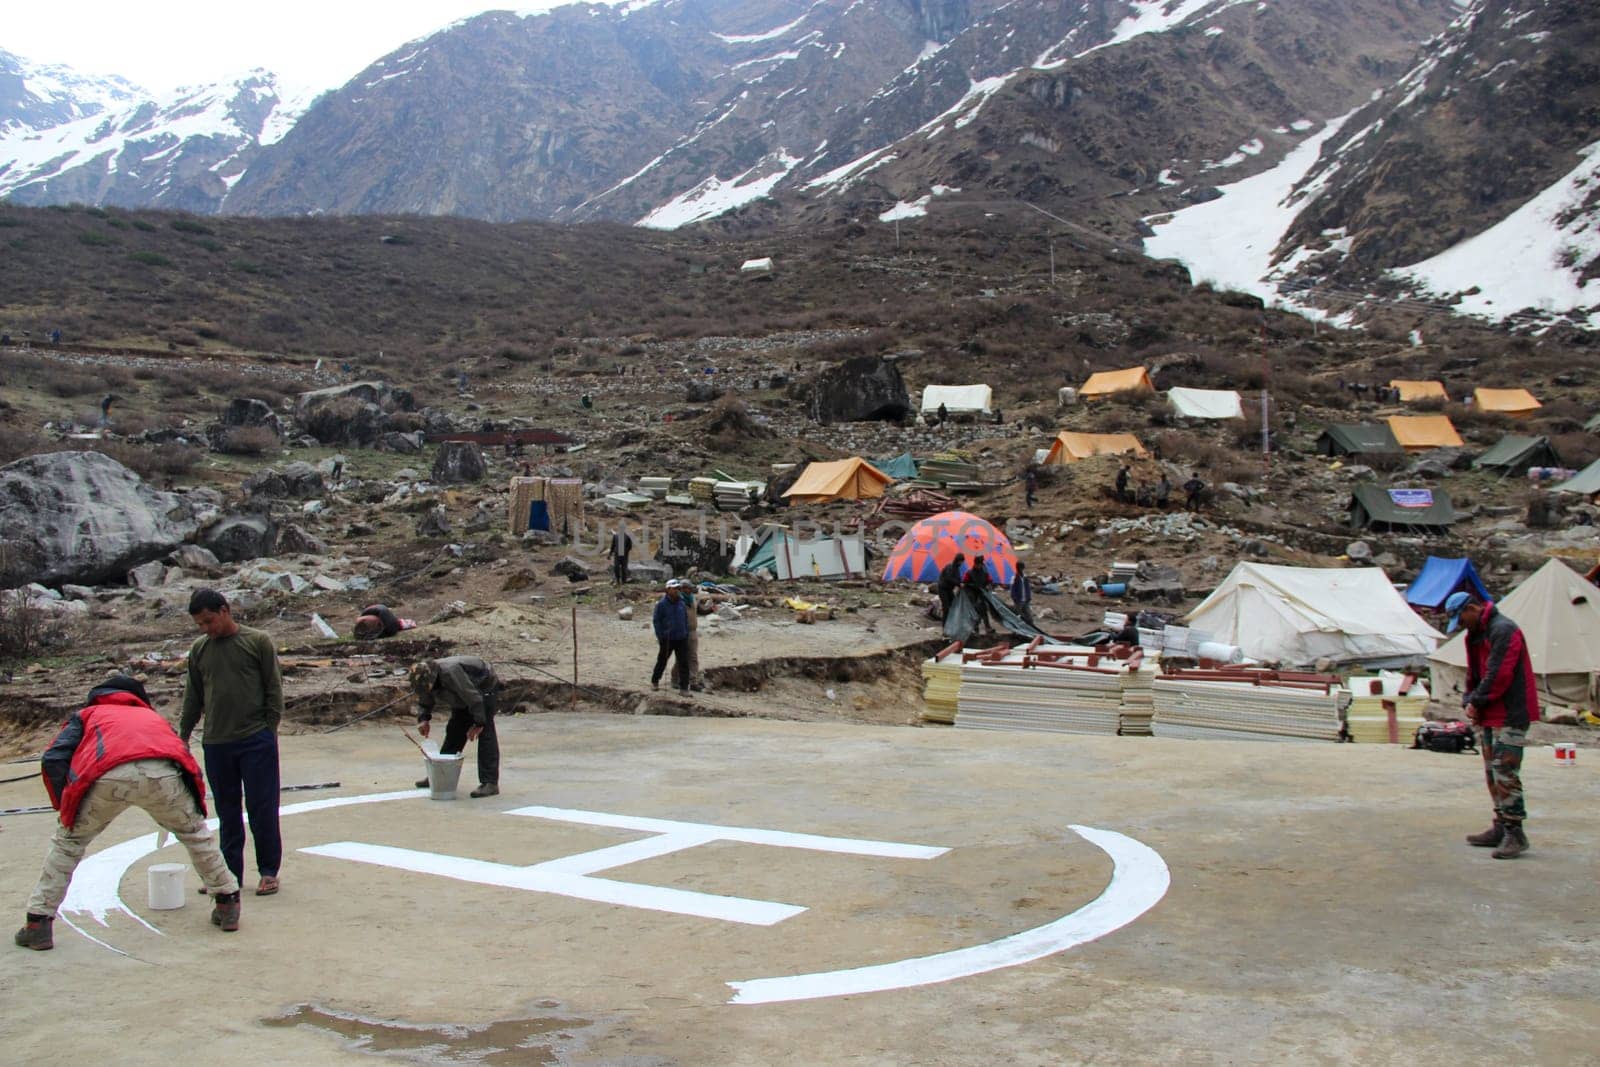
pixel 133 759
pixel 621 545
pixel 234 682
pixel 1502 700
pixel 949 581
pixel 1022 595
pixel 469 688
pixel 671 624
pixel 977 584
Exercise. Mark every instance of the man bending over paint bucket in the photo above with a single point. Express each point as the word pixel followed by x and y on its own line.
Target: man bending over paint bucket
pixel 132 758
pixel 468 687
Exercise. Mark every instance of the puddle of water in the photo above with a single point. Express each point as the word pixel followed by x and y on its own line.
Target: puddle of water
pixel 539 1039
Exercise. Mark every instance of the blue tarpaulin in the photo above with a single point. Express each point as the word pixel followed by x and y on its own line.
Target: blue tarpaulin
pixel 901 468
pixel 1439 578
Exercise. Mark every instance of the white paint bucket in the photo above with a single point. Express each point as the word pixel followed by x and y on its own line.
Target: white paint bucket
pixel 443 774
pixel 1566 755
pixel 167 886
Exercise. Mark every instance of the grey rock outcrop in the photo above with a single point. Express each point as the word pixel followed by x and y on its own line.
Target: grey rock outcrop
pixel 82 517
pixel 297 540
pixel 350 414
pixel 240 537
pixel 297 481
pixel 458 462
pixel 434 523
pixel 857 390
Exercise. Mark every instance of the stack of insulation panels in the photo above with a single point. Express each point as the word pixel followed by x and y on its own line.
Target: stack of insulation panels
pixel 703 489
pixel 1382 713
pixel 1138 701
pixel 941 689
pixel 1078 693
pixel 1244 705
pixel 732 496
pixel 656 487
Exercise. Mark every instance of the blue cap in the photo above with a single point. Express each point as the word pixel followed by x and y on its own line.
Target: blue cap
pixel 1453 604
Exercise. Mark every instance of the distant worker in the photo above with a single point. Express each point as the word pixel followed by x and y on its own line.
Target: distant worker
pixel 621 545
pixel 1122 485
pixel 1022 595
pixel 976 583
pixel 671 624
pixel 587 402
pixel 338 469
pixel 469 688
pixel 949 581
pixel 1192 490
pixel 105 408
pixel 1163 491
pixel 55 337
pixel 1502 701
pixel 944 413
pixel 377 620
pixel 691 607
pixel 132 759
pixel 1030 487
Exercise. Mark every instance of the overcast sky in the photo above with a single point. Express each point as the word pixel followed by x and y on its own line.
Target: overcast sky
pixel 162 44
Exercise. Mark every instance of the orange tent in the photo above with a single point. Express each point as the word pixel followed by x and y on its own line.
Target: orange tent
pixel 1109 382
pixel 1071 447
pixel 1518 403
pixel 1418 433
pixel 1419 390
pixel 844 479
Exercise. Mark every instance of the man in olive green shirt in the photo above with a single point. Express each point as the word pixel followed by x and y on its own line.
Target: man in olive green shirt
pixel 234 682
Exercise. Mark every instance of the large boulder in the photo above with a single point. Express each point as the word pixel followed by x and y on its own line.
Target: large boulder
pixel 84 518
pixel 240 537
pixel 298 481
pixel 457 463
pixel 350 414
pixel 249 426
pixel 857 390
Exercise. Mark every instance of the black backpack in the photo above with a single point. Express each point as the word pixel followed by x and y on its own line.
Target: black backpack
pixel 1454 736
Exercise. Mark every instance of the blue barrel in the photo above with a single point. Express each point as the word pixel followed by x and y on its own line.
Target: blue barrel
pixel 1113 588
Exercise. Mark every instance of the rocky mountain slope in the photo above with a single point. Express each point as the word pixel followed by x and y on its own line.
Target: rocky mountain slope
pixel 36 96
pixel 1470 180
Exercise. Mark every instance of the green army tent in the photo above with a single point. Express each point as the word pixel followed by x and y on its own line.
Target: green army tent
pixel 1373 507
pixel 1359 439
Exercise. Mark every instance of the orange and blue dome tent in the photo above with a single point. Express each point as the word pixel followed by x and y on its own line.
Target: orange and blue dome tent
pixel 928 546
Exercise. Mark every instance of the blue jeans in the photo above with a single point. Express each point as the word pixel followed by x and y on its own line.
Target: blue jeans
pixel 248 766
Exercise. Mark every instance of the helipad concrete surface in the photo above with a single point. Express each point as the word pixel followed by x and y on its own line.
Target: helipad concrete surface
pixel 693 891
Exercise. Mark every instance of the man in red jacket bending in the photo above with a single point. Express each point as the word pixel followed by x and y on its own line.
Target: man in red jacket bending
pixel 114 754
pixel 1502 700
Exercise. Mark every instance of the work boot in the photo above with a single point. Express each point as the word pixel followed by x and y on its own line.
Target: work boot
pixel 1490 838
pixel 487 789
pixel 1514 845
pixel 37 933
pixel 225 913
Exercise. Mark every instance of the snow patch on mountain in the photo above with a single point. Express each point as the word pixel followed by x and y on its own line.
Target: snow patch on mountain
pixel 713 196
pixel 1230 242
pixel 1534 260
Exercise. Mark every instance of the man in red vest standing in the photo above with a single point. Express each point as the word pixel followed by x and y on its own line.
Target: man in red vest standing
pixel 1502 701
pixel 114 754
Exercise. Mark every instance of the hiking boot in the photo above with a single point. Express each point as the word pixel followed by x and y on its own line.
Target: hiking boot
pixel 422 783
pixel 1514 845
pixel 1490 838
pixel 487 789
pixel 225 913
pixel 37 933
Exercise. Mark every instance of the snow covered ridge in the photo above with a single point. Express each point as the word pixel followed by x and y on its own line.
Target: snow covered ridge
pixel 140 140
pixel 53 94
pixel 1533 261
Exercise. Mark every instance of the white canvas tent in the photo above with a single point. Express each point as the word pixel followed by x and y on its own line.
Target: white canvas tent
pixel 1559 613
pixel 1205 403
pixel 1298 615
pixel 958 399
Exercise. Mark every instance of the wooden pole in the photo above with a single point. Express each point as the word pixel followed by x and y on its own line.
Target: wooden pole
pixel 572 702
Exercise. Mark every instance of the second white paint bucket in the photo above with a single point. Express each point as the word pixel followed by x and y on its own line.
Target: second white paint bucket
pixel 444 772
pixel 167 886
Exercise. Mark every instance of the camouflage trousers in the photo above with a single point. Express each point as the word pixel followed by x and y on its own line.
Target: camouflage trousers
pixel 1502 769
pixel 156 786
